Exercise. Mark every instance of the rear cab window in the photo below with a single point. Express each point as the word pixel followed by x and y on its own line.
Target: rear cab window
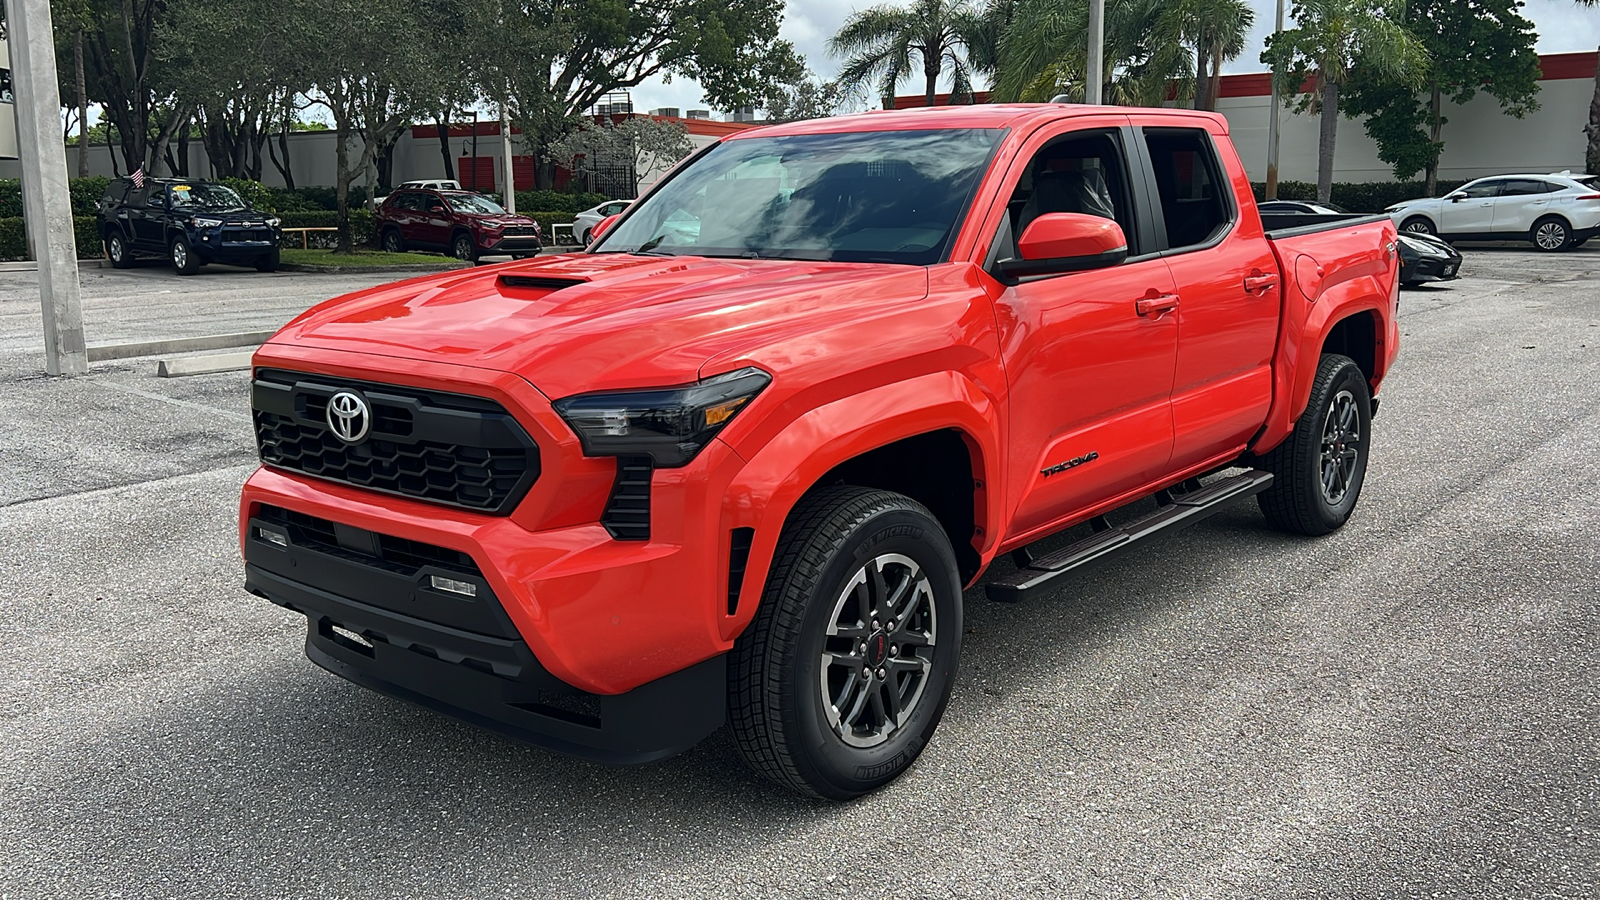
pixel 1196 202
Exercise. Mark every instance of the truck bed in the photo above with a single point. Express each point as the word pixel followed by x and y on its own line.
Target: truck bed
pixel 1284 225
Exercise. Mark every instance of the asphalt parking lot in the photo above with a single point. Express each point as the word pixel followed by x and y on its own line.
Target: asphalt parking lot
pixel 1409 707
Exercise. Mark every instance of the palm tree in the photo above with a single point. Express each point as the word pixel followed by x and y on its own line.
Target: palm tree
pixel 879 44
pixel 1217 29
pixel 1329 39
pixel 1591 156
pixel 1045 51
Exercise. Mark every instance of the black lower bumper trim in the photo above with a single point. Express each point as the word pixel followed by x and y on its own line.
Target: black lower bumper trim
pixel 498 684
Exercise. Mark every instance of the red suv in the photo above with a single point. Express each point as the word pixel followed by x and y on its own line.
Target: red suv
pixel 461 223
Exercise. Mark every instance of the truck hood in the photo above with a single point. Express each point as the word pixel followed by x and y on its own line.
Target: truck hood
pixel 581 322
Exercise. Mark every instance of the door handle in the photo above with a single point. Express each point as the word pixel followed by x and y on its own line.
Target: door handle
pixel 1259 282
pixel 1157 306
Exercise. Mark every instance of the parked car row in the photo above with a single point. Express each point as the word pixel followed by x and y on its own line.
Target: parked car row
pixel 461 223
pixel 1553 212
pixel 1423 257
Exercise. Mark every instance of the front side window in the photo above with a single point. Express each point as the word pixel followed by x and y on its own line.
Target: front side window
pixel 1483 189
pixel 885 196
pixel 1190 183
pixel 1081 173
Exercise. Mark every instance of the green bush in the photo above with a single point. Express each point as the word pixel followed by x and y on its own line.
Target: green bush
pixel 361 232
pixel 1361 196
pixel 258 195
pixel 14 237
pixel 559 201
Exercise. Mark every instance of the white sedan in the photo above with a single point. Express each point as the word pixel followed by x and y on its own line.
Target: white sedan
pixel 1555 212
pixel 584 222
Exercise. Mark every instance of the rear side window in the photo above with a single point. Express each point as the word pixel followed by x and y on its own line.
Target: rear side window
pixel 1526 186
pixel 115 192
pixel 1194 200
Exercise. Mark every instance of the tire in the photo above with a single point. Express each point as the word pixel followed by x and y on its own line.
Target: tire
pixel 839 545
pixel 1320 467
pixel 1418 225
pixel 184 259
pixel 1551 234
pixel 393 242
pixel 268 262
pixel 585 239
pixel 117 251
pixel 463 247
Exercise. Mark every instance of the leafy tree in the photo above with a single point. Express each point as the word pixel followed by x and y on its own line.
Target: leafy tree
pixel 1472 45
pixel 879 44
pixel 641 143
pixel 806 98
pixel 1045 51
pixel 1330 40
pixel 123 74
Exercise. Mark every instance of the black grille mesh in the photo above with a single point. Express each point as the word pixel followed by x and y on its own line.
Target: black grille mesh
pixel 627 514
pixel 486 462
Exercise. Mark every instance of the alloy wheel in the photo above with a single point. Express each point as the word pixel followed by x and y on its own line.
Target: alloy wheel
pixel 1341 447
pixel 878 650
pixel 464 248
pixel 1550 236
pixel 180 255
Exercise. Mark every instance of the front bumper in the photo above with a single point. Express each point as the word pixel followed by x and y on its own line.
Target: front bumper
pixel 216 245
pixel 517 244
pixel 381 625
pixel 1424 270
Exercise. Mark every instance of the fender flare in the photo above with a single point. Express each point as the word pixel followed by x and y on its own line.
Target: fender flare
pixel 1299 353
pixel 777 474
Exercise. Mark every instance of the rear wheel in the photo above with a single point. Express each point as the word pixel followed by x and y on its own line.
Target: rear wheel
pixel 1418 225
pixel 184 260
pixel 1319 469
pixel 585 239
pixel 117 251
pixel 841 679
pixel 462 247
pixel 1551 233
pixel 393 242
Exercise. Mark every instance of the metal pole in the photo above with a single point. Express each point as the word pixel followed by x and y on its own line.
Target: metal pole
pixel 1272 124
pixel 44 183
pixel 505 145
pixel 1094 78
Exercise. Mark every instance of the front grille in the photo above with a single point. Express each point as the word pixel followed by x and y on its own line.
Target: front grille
pixel 237 235
pixel 521 231
pixel 460 451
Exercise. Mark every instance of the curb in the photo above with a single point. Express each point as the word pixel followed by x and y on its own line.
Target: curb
pixel 421 269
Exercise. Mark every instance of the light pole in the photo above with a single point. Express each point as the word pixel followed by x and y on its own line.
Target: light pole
pixel 1272 123
pixel 1095 76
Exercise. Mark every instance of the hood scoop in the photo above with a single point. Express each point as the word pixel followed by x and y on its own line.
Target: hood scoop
pixel 545 283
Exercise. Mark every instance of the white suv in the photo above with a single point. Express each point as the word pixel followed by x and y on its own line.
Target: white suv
pixel 1555 212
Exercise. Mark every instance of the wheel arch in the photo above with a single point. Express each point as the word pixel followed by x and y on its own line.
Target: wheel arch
pixel 940 427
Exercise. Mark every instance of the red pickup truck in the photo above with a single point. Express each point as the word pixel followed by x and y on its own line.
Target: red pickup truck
pixel 737 461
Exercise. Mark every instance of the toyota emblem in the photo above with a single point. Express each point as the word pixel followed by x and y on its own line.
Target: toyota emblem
pixel 349 417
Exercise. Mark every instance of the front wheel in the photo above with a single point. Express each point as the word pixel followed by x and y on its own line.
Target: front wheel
pixel 1319 468
pixel 841 679
pixel 1552 233
pixel 117 251
pixel 184 260
pixel 1418 225
pixel 393 242
pixel 464 248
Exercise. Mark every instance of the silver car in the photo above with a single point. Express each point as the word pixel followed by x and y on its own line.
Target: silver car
pixel 1554 212
pixel 584 222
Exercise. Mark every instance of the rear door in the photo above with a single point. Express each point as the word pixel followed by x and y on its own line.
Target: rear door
pixel 1090 376
pixel 1228 287
pixel 1522 202
pixel 1473 213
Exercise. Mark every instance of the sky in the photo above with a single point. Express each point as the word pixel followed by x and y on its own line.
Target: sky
pixel 1563 28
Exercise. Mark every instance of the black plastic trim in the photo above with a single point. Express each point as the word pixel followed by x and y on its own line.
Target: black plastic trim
pixel 627 513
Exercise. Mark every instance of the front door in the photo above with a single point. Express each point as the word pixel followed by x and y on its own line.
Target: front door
pixel 1090 376
pixel 432 220
pixel 1230 296
pixel 1472 213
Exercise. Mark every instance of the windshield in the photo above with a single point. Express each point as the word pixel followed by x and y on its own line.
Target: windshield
pixel 214 197
pixel 472 203
pixel 881 196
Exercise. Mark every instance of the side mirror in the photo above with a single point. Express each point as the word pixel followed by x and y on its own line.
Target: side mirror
pixel 602 226
pixel 437 207
pixel 1456 197
pixel 1065 242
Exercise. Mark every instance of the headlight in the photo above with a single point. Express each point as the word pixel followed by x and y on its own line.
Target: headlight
pixel 203 222
pixel 274 222
pixel 670 425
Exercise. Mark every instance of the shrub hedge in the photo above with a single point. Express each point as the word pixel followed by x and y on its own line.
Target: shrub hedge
pixel 14 237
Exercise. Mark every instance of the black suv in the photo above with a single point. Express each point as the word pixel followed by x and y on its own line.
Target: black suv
pixel 190 222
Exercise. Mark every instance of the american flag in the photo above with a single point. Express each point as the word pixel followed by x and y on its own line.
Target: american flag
pixel 138 177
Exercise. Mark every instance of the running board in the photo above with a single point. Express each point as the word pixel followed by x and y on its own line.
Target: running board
pixel 1176 511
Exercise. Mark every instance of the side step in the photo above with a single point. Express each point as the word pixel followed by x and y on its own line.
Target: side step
pixel 1176 511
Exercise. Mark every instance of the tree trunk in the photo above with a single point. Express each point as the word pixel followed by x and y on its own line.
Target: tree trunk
pixel 180 118
pixel 933 86
pixel 1591 156
pixel 341 189
pixel 1215 91
pixel 112 154
pixel 183 152
pixel 286 169
pixel 1201 82
pixel 83 105
pixel 1433 135
pixel 444 148
pixel 1325 140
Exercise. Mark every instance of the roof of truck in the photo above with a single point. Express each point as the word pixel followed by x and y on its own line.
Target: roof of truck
pixel 983 115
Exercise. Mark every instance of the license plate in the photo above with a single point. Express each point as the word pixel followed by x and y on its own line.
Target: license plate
pixel 1449 270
